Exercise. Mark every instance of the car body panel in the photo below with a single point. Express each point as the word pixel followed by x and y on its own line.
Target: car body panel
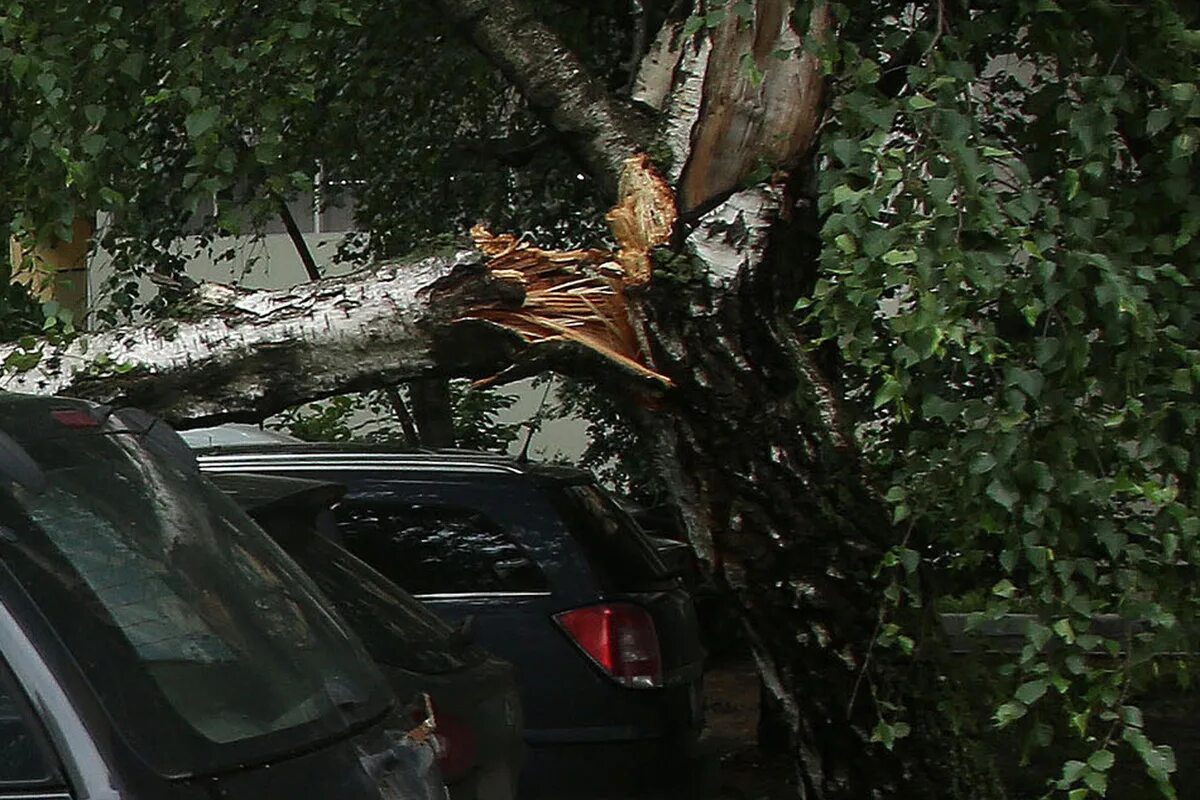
pixel 475 695
pixel 50 689
pixel 576 716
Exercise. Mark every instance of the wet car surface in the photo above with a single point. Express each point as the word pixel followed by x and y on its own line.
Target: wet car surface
pixel 557 579
pixel 477 709
pixel 156 644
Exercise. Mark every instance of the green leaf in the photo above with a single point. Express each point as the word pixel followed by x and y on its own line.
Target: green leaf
pixel 885 734
pixel 934 407
pixel 1064 630
pixel 1101 760
pixel 1096 781
pixel 1071 183
pixel 1132 716
pixel 1004 588
pixel 94 144
pixel 1003 494
pixel 46 82
pixel 1028 381
pixel 1008 713
pixel 1029 693
pixel 1072 771
pixel 919 102
pixel 896 257
pixel 1157 121
pixel 889 391
pixel 844 194
pixel 19 66
pixel 982 463
pixel 201 121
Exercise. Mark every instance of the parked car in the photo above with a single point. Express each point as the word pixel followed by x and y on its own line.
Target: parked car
pixel 478 711
pixel 559 581
pixel 154 642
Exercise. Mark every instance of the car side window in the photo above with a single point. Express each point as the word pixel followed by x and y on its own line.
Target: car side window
pixel 23 761
pixel 438 549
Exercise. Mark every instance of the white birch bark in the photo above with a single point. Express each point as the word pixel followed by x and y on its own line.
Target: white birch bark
pixel 246 354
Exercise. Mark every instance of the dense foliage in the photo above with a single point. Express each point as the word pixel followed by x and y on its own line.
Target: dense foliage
pixel 202 117
pixel 1010 274
pixel 373 417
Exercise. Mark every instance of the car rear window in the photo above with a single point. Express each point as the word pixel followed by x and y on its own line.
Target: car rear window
pixel 614 543
pixel 397 630
pixel 437 549
pixel 204 643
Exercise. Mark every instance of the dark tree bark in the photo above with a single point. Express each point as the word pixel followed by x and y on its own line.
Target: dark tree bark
pixel 400 409
pixel 600 128
pixel 774 493
pixel 432 411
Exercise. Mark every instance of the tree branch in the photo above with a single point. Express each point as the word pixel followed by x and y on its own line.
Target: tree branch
pixel 243 355
pixel 598 127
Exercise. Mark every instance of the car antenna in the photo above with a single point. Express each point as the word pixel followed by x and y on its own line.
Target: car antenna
pixel 535 422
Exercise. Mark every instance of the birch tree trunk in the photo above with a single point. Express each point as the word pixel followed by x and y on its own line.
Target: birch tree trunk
pixel 747 422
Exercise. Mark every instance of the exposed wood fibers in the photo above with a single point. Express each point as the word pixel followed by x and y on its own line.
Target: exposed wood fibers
pixel 579 295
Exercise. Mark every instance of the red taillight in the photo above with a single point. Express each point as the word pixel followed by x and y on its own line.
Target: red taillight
pixel 620 638
pixel 75 418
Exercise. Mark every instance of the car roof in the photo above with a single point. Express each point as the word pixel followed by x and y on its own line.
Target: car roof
pixel 256 493
pixel 233 433
pixel 333 455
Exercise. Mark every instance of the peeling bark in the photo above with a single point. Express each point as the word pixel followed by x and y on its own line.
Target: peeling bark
pixel 770 117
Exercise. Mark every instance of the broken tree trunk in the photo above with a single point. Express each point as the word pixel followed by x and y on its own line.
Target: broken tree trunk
pixel 240 354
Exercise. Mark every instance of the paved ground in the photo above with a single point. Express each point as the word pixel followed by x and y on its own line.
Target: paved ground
pixel 734 768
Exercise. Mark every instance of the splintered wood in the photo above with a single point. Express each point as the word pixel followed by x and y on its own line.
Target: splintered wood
pixel 579 295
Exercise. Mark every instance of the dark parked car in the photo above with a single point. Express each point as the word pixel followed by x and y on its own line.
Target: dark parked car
pixel 156 644
pixel 474 695
pixel 559 581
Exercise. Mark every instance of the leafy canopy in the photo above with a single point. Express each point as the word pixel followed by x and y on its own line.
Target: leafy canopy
pixel 1011 200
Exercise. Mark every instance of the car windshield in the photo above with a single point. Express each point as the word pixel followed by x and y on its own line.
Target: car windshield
pixel 204 643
